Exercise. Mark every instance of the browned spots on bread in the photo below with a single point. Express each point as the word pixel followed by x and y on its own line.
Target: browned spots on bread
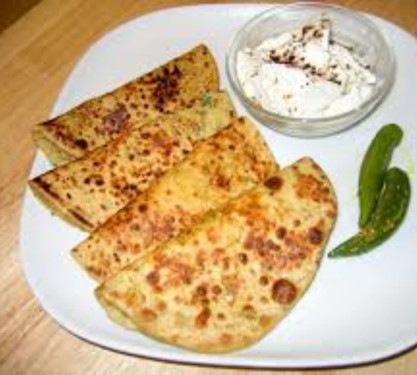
pixel 227 293
pixel 315 235
pixel 177 84
pixel 148 315
pixel 116 120
pixel 281 232
pixel 202 318
pixel 81 218
pixel 153 278
pixel 274 183
pixel 283 291
pixel 81 143
pixel 216 289
pixel 264 280
pixel 243 258
pixel 47 187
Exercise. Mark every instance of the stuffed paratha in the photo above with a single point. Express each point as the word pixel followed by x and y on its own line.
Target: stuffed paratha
pixel 220 168
pixel 228 281
pixel 87 191
pixel 94 123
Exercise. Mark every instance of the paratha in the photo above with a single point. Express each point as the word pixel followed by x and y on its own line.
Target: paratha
pixel 220 168
pixel 174 85
pixel 87 191
pixel 229 280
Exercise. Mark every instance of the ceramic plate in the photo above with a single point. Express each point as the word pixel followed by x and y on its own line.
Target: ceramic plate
pixel 357 310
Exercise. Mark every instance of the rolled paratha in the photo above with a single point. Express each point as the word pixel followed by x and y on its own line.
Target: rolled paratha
pixel 94 123
pixel 229 280
pixel 220 168
pixel 87 191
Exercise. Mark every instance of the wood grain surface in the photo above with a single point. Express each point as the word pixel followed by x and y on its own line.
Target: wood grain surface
pixel 36 55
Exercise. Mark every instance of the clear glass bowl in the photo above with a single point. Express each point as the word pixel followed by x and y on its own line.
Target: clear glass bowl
pixel 349 28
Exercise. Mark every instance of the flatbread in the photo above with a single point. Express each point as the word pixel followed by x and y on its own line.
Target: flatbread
pixel 220 168
pixel 94 123
pixel 229 280
pixel 87 191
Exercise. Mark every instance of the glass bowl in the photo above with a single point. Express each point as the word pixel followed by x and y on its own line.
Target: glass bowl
pixel 349 28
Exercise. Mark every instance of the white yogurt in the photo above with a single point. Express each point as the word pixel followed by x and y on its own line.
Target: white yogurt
pixel 305 73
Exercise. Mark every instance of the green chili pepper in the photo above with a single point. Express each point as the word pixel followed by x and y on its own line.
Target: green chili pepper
pixel 374 167
pixel 389 213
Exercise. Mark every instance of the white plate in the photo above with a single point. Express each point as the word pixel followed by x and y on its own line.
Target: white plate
pixel 357 310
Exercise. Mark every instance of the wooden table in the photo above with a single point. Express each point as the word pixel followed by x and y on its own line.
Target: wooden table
pixel 36 55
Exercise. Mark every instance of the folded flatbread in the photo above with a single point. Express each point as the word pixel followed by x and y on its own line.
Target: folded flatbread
pixel 220 168
pixel 92 124
pixel 87 191
pixel 227 281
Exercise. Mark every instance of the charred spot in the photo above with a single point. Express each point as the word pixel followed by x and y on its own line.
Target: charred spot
pixel 281 232
pixel 176 71
pixel 201 291
pixel 153 277
pixel 222 182
pixel 274 183
pixel 167 87
pixel 81 143
pixel 143 208
pixel 283 291
pixel 145 135
pixel 270 245
pixel 116 257
pixel 315 236
pixel 216 289
pixel 99 181
pixel 249 311
pixel 203 317
pixel 221 316
pixel 69 196
pixel 263 280
pixel 243 258
pixel 116 120
pixel 80 218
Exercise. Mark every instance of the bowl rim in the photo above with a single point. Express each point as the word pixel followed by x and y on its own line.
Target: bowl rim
pixel 364 18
